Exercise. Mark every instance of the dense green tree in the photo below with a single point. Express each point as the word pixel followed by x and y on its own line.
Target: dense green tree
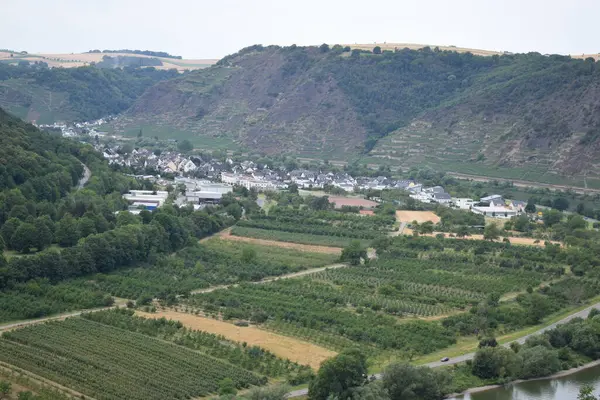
pixel 406 382
pixel 530 208
pixel 521 223
pixel 20 212
pixel 44 236
pixel 227 386
pixel 338 375
pixel 539 361
pixel 185 146
pixel 86 226
pixel 491 231
pixel 127 218
pixel 377 50
pixel 560 203
pixel 8 230
pixel 494 362
pixel 24 238
pixel 67 231
pixel 235 210
pixel 488 342
pixel 551 217
pixel 354 253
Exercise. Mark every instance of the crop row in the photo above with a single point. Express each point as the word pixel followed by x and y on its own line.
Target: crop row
pixel 320 307
pixel 300 227
pixel 108 363
pixel 252 358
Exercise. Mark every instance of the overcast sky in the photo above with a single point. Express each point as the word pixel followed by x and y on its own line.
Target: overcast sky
pixel 214 28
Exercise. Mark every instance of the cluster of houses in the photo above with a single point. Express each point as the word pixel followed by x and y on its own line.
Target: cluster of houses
pixel 491 206
pixel 78 128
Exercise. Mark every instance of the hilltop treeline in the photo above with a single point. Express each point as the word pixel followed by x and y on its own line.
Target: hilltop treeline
pixel 142 52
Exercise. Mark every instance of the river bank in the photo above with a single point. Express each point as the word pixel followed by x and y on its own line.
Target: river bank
pixel 560 374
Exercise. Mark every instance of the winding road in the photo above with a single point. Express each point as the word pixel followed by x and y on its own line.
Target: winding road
pixel 86 177
pixel 469 356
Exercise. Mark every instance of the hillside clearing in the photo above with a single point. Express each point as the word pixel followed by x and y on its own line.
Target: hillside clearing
pixel 282 346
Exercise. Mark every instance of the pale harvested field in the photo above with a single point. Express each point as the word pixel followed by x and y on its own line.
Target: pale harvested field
pixel 82 59
pixel 351 201
pixel 226 235
pixel 283 346
pixel 419 216
pixel 414 46
pixel 513 240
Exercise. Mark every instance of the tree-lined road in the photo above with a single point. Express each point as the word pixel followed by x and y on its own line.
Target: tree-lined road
pixel 469 356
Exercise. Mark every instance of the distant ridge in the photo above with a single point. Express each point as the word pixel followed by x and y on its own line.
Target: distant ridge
pixel 82 59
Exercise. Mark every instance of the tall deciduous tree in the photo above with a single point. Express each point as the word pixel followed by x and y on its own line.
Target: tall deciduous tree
pixel 338 375
pixel 67 231
pixel 24 238
pixel 491 232
pixel 354 253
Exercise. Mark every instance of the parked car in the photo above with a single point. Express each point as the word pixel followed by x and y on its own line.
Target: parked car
pixel 445 359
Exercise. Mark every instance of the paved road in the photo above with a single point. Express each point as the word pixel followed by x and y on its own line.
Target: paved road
pixel 469 356
pixel 86 177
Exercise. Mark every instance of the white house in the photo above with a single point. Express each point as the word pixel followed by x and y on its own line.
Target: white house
pixel 495 211
pixel 463 203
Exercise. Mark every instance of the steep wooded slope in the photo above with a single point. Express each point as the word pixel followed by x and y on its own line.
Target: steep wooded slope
pixel 46 95
pixel 403 107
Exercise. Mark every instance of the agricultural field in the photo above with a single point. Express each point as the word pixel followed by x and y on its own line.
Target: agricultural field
pixel 285 347
pixel 341 201
pixel 399 301
pixel 106 362
pixel 226 235
pixel 306 226
pixel 210 263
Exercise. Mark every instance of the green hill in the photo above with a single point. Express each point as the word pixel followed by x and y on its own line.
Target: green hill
pixel 46 95
pixel 450 110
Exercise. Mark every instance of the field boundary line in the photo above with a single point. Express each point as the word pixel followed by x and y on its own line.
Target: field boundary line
pixel 42 380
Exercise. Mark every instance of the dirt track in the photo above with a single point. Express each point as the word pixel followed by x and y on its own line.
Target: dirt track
pixel 226 235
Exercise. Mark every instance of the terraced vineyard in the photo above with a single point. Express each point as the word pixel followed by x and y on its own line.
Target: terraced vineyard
pixel 109 363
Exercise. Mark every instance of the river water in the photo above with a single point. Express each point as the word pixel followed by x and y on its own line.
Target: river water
pixel 563 388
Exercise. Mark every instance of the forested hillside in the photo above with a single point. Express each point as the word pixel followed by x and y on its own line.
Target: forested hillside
pixel 440 108
pixel 37 93
pixel 50 231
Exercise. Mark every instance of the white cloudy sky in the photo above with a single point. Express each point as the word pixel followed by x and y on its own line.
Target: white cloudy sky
pixel 214 28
